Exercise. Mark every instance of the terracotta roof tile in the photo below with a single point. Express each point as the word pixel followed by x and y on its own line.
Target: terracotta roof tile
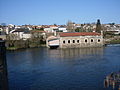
pixel 38 31
pixel 79 34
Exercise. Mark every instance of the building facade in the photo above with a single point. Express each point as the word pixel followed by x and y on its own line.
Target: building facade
pixel 81 39
pixel 76 40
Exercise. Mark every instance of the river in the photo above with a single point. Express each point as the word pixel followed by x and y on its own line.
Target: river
pixel 61 69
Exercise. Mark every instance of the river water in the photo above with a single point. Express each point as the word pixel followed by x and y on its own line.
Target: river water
pixel 62 69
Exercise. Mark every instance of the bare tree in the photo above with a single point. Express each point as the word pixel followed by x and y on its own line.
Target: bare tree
pixel 70 26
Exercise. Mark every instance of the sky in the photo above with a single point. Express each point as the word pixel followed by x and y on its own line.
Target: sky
pixel 46 12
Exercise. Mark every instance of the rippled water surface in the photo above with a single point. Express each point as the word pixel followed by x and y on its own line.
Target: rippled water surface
pixel 61 69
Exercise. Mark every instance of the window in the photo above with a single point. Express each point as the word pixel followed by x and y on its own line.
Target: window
pixel 91 40
pixel 98 40
pixel 73 41
pixel 77 41
pixel 64 41
pixel 85 40
pixel 68 41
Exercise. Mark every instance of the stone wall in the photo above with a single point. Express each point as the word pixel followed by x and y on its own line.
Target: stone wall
pixel 81 41
pixel 3 67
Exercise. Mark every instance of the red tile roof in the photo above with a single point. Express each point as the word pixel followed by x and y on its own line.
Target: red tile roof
pixel 38 31
pixel 79 34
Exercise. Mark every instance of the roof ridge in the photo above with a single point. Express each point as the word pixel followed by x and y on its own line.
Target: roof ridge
pixel 79 34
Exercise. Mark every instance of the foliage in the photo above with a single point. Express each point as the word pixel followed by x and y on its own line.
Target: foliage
pixel 70 26
pixel 11 48
pixel 111 24
pixel 80 29
pixel 42 29
pixel 77 30
pixel 117 41
pixel 35 41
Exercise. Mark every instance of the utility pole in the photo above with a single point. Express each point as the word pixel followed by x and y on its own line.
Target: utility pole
pixel 3 67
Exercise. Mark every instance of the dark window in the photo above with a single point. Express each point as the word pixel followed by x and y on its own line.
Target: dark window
pixel 68 41
pixel 85 40
pixel 98 40
pixel 77 41
pixel 73 41
pixel 63 41
pixel 91 40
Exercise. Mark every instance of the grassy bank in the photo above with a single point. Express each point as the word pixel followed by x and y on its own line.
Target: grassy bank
pixel 114 42
pixel 12 48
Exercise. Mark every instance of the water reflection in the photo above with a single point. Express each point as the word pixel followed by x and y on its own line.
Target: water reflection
pixel 74 53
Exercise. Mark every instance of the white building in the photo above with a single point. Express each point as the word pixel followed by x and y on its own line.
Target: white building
pixel 62 29
pixel 21 34
pixel 26 36
pixel 53 29
pixel 48 30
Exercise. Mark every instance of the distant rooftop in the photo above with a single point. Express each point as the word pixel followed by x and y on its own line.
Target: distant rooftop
pixel 25 30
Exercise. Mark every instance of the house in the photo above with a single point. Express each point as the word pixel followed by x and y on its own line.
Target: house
pixel 50 29
pixel 62 29
pixel 21 34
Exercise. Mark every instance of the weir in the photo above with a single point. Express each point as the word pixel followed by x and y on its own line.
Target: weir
pixel 3 67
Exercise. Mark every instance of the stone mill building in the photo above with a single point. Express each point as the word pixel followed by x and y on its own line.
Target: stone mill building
pixel 77 40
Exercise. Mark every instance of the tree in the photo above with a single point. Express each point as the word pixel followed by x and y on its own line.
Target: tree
pixel 111 24
pixel 77 30
pixel 42 29
pixel 98 26
pixel 70 26
pixel 55 24
pixel 3 24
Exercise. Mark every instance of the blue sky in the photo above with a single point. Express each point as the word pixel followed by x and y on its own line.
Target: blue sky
pixel 39 12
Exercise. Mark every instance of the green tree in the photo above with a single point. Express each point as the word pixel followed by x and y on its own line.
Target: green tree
pixel 42 29
pixel 98 26
pixel 77 30
pixel 55 24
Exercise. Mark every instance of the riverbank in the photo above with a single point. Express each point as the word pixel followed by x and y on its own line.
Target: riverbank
pixel 16 48
pixel 113 40
pixel 24 44
pixel 44 45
